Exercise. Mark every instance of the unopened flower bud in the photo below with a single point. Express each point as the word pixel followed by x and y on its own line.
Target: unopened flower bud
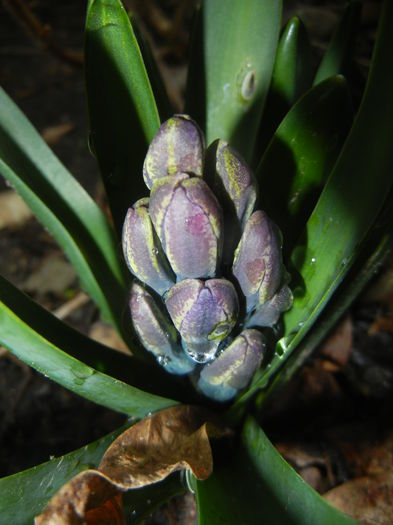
pixel 156 332
pixel 188 220
pixel 269 313
pixel 233 369
pixel 178 147
pixel 204 313
pixel 142 249
pixel 257 264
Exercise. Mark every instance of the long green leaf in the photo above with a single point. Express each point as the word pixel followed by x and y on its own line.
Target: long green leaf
pixel 147 376
pixel 64 207
pixel 24 495
pixel 301 155
pixel 40 353
pixel 237 48
pixel 292 76
pixel 257 487
pixel 337 58
pixel 347 208
pixel 122 110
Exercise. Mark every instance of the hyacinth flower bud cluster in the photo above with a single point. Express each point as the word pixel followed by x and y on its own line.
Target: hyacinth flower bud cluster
pixel 208 264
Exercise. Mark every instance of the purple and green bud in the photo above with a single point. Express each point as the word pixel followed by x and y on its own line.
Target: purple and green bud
pixel 142 249
pixel 178 147
pixel 156 332
pixel 234 368
pixel 188 220
pixel 269 313
pixel 257 264
pixel 204 313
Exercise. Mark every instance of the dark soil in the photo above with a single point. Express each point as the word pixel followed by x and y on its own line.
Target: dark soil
pixel 323 407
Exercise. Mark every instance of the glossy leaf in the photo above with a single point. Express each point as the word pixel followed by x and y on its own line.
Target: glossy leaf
pixel 233 55
pixel 39 352
pixel 347 208
pixel 291 78
pixel 122 110
pixel 147 376
pixel 302 154
pixel 373 251
pixel 164 105
pixel 258 487
pixel 337 57
pixel 64 207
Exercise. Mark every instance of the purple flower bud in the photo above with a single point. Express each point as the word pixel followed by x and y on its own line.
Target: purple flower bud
pixel 269 313
pixel 178 147
pixel 204 313
pixel 142 249
pixel 156 332
pixel 257 265
pixel 233 181
pixel 188 220
pixel 233 369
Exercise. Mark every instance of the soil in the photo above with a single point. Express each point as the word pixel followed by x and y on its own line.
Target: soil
pixel 332 409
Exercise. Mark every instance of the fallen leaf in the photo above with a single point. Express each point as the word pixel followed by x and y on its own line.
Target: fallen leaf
pixel 54 275
pixel 337 346
pixel 13 210
pixel 104 333
pixel 367 499
pixel 171 440
pixel 53 134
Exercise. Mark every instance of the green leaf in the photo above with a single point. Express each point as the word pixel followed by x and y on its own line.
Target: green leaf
pixel 374 250
pixel 122 110
pixel 164 106
pixel 346 210
pixel 39 352
pixel 147 376
pixel 232 69
pixel 337 58
pixel 258 487
pixel 24 495
pixel 292 76
pixel 64 207
pixel 303 152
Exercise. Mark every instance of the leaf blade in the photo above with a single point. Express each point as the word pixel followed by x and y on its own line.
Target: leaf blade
pixel 260 487
pixel 64 207
pixel 122 111
pixel 237 42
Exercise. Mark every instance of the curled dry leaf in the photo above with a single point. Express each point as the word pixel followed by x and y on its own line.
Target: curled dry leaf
pixel 171 440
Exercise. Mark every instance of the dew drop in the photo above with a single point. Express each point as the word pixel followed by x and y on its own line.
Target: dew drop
pixel 155 251
pixel 313 260
pixel 163 360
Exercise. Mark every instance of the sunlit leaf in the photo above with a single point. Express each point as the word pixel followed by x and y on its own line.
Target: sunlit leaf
pixel 234 48
pixel 64 207
pixel 302 154
pixel 122 110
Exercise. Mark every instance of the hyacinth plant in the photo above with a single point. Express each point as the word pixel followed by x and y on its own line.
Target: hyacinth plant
pixel 250 222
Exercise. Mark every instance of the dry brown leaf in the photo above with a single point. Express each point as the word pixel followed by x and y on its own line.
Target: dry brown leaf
pixel 337 346
pixel 13 210
pixel 367 499
pixel 171 440
pixel 53 134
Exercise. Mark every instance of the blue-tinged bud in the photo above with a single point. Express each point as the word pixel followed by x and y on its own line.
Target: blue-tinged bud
pixel 142 249
pixel 234 368
pixel 257 264
pixel 188 220
pixel 269 313
pixel 204 313
pixel 178 147
pixel 156 332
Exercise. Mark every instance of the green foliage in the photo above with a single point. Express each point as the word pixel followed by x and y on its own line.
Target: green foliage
pixel 325 178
